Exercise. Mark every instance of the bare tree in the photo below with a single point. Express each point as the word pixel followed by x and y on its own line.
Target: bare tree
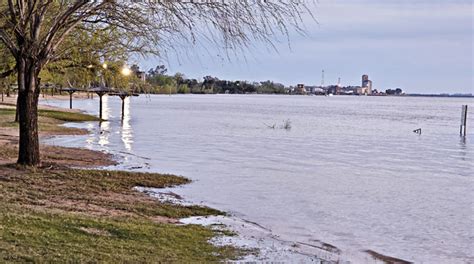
pixel 34 31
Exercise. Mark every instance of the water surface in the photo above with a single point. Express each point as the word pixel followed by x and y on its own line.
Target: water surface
pixel 349 172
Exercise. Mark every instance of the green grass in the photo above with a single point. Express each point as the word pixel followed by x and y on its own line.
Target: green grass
pixel 49 121
pixel 58 115
pixel 105 191
pixel 44 237
pixel 7 111
pixel 74 215
pixel 67 116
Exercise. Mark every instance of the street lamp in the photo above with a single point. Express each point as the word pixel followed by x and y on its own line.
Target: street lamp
pixel 126 71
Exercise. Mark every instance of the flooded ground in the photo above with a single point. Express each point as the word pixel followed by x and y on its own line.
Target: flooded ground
pixel 350 172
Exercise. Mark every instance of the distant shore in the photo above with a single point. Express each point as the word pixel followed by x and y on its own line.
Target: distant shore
pixel 442 95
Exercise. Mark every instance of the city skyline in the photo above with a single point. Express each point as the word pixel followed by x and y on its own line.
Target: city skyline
pixel 419 46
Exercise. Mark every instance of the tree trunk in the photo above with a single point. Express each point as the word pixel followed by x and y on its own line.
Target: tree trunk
pixel 17 111
pixel 28 93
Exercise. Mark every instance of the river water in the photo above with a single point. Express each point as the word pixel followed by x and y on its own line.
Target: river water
pixel 350 172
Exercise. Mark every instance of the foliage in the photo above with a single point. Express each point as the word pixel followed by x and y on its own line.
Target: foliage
pixel 160 83
pixel 269 87
pixel 397 91
pixel 7 64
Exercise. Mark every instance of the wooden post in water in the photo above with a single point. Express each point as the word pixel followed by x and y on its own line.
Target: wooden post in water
pixel 100 91
pixel 100 106
pixel 100 94
pixel 70 91
pixel 463 128
pixel 70 99
pixel 123 96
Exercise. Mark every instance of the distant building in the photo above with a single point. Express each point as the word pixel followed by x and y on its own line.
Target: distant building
pixel 366 88
pixel 333 89
pixel 141 75
pixel 300 89
pixel 365 78
pixel 309 89
pixel 319 91
pixel 315 90
pixel 362 91
pixel 366 84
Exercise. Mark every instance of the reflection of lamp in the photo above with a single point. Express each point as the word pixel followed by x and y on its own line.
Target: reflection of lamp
pixel 127 132
pixel 104 65
pixel 105 126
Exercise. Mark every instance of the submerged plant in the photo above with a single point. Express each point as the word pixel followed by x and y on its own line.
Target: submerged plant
pixel 286 124
pixel 270 126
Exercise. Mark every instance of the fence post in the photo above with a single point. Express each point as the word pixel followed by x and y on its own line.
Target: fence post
pixel 463 127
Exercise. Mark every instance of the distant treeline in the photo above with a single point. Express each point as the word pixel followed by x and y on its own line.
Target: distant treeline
pixel 441 95
pixel 159 82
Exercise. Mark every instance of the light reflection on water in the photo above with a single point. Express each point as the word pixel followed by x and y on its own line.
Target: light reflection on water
pixel 350 172
pixel 127 131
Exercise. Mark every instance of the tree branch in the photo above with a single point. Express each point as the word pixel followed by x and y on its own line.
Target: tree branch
pixel 7 73
pixel 5 38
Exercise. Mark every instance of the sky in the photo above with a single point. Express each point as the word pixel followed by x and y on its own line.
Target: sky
pixel 421 46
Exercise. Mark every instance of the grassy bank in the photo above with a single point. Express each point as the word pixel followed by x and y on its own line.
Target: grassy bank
pixel 50 121
pixel 58 214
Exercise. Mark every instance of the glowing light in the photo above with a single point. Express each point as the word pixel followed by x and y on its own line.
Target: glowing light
pixel 104 65
pixel 126 71
pixel 90 66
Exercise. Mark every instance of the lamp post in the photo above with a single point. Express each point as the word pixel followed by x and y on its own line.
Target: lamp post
pixel 125 71
pixel 104 79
